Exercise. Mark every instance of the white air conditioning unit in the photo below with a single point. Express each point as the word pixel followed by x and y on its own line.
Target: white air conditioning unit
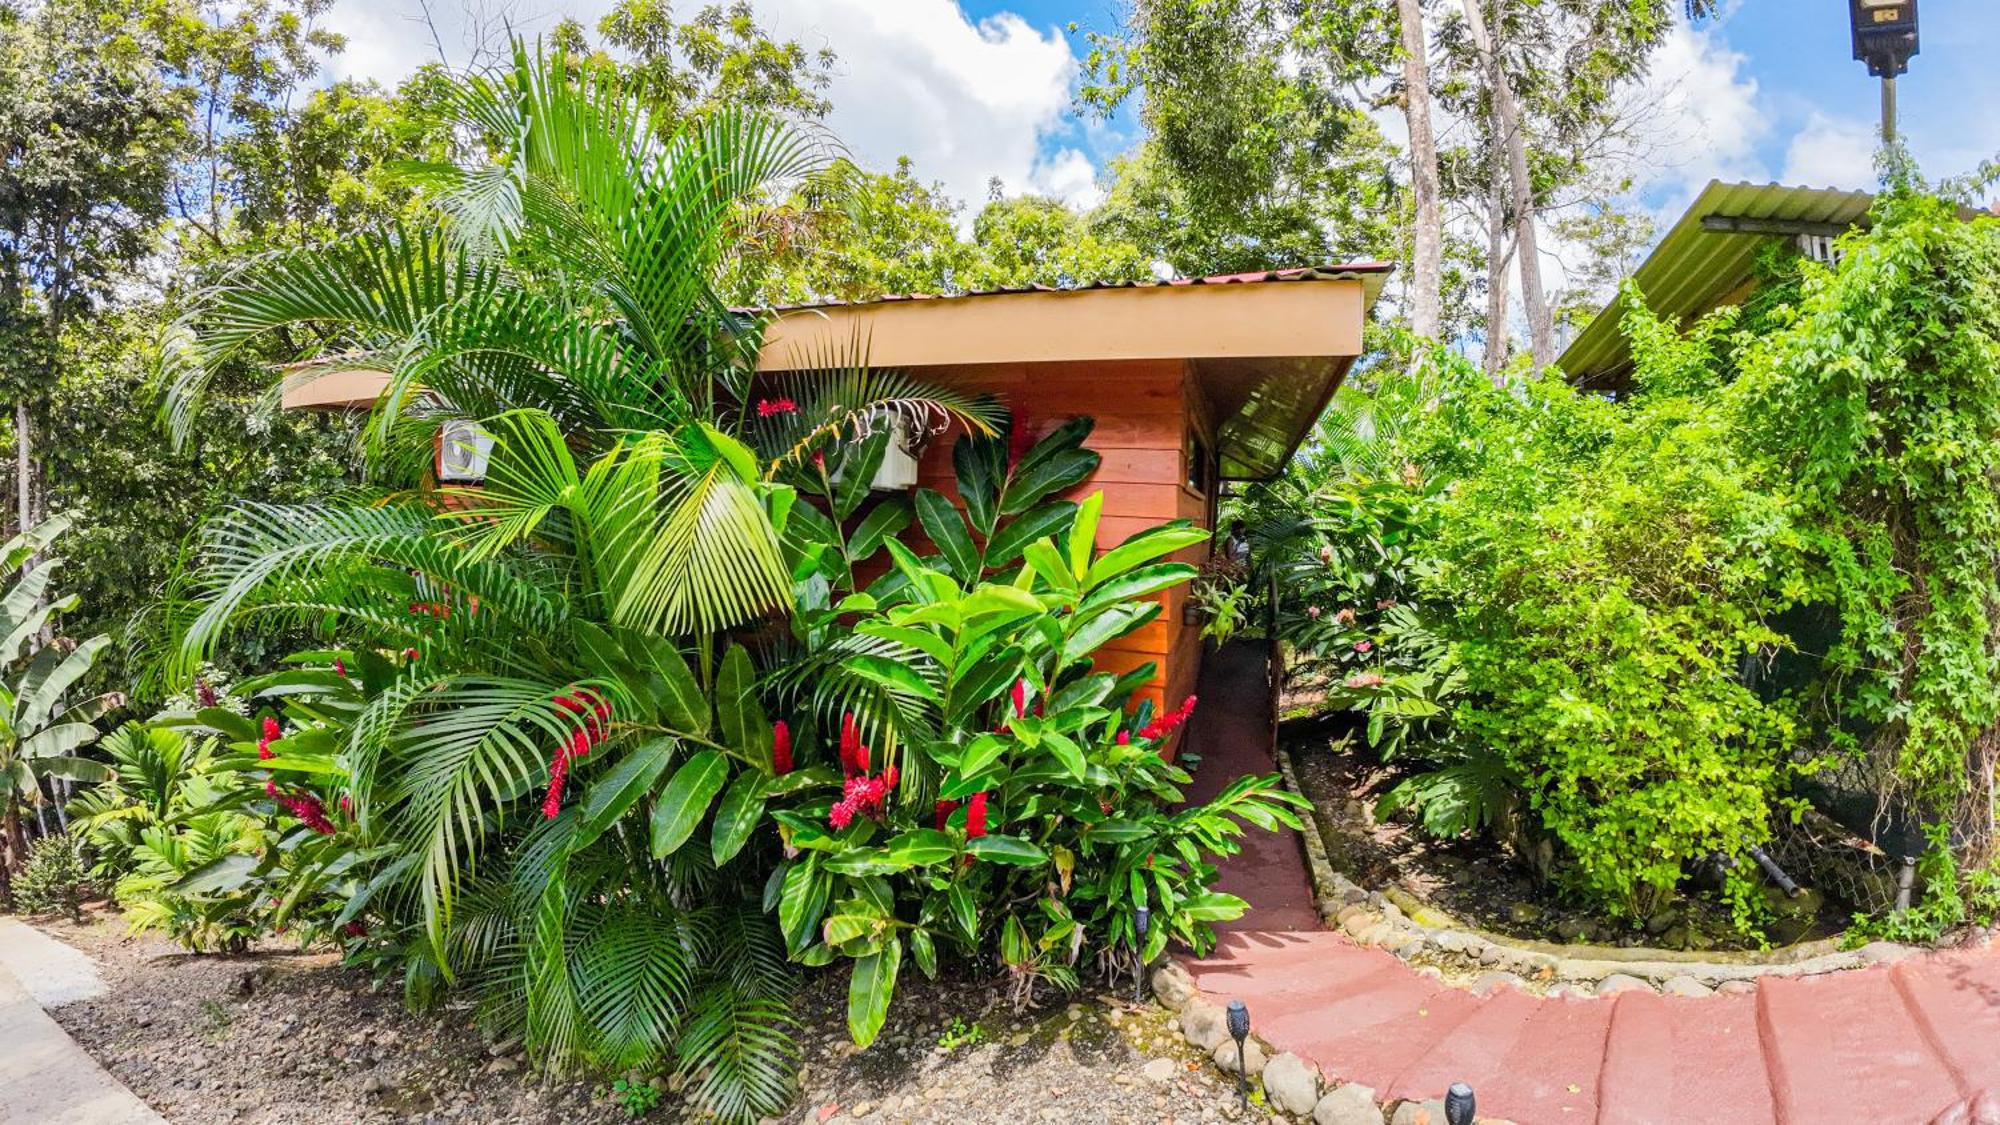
pixel 899 467
pixel 463 451
pixel 898 470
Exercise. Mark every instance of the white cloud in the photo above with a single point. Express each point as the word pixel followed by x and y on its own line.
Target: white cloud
pixel 1067 175
pixel 965 101
pixel 1704 112
pixel 1831 152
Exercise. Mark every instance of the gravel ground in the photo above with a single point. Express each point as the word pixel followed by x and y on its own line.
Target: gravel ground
pixel 282 1036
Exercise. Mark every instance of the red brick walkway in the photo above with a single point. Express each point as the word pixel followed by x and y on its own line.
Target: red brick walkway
pixel 1886 1044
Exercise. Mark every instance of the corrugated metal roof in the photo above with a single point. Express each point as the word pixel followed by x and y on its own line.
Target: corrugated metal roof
pixel 1694 270
pixel 1371 273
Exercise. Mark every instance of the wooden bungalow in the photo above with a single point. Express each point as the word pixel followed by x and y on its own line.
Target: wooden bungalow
pixel 1191 383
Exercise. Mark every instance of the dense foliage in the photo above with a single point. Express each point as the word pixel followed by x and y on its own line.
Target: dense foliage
pixel 1598 623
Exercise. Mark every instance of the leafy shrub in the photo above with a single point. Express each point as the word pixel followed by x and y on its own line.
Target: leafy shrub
pixel 54 880
pixel 989 793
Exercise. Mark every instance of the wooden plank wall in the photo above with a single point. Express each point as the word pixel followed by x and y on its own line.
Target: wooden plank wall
pixel 1143 409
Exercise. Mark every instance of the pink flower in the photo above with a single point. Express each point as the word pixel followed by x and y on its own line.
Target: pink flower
pixel 781 748
pixel 771 406
pixel 1124 738
pixel 1344 617
pixel 1326 553
pixel 1364 646
pixel 340 666
pixel 1313 612
pixel 1365 680
pixel 1165 724
pixel 843 813
pixel 271 789
pixel 1386 603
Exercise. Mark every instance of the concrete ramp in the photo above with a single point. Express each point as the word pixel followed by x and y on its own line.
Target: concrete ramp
pixel 45 1078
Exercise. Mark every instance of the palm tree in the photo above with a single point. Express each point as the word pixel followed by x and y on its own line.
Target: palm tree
pixel 560 290
pixel 37 731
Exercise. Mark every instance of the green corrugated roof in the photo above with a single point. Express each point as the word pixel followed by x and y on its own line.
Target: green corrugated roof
pixel 1694 269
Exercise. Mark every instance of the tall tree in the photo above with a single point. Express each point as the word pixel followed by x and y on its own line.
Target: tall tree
pixel 1427 223
pixel 1508 138
pixel 88 134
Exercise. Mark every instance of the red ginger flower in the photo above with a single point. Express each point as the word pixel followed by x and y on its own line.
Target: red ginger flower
pixel 943 811
pixel 770 406
pixel 781 748
pixel 271 727
pixel 1165 724
pixel 1020 697
pixel 1124 738
pixel 204 693
pixel 307 808
pixel 975 816
pixel 853 755
pixel 340 666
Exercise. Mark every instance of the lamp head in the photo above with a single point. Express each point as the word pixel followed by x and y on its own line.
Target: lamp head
pixel 1885 34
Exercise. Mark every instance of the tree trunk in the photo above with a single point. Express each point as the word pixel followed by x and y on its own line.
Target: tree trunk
pixel 24 467
pixel 1498 195
pixel 13 849
pixel 1507 117
pixel 1427 229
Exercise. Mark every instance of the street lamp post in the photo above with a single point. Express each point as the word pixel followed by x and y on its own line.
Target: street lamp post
pixel 1885 36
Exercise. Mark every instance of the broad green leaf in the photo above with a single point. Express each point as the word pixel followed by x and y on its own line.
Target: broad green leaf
pixel 621 787
pixel 869 991
pixel 736 818
pixel 1049 520
pixel 883 520
pixel 686 799
pixel 859 462
pixel 947 530
pixel 921 847
pixel 744 728
pixel 894 675
pixel 1144 548
pixel 1007 849
pixel 1083 535
pixel 964 911
pixel 925 952
pixel 801 902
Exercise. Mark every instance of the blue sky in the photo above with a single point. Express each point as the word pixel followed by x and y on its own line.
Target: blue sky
pixel 977 89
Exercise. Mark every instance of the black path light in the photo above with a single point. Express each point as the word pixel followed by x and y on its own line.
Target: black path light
pixel 1239 1030
pixel 1885 37
pixel 1458 1104
pixel 1142 920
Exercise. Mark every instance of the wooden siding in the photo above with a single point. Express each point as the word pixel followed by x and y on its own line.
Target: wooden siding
pixel 1141 408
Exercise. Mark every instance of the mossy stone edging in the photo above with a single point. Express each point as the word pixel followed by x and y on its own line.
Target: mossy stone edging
pixel 1467 957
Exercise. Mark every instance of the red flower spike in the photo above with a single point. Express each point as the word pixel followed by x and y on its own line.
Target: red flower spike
pixel 1124 738
pixel 410 655
pixel 781 748
pixel 271 789
pixel 204 693
pixel 264 753
pixel 851 761
pixel 889 777
pixel 340 666
pixel 843 813
pixel 271 728
pixel 975 816
pixel 1020 697
pixel 943 811
pixel 772 406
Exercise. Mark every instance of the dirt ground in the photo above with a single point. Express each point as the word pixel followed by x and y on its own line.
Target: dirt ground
pixel 1478 881
pixel 282 1036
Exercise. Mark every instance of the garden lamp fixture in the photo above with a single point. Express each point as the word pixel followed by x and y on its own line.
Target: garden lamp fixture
pixel 1885 37
pixel 1142 920
pixel 1459 1105
pixel 1239 1030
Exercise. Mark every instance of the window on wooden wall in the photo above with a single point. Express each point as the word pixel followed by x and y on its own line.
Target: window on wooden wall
pixel 1200 464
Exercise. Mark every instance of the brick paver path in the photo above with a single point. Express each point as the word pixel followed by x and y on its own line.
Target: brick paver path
pixel 1891 1043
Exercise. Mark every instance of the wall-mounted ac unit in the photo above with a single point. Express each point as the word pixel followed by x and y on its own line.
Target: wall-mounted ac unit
pixel 898 470
pixel 463 449
pixel 899 466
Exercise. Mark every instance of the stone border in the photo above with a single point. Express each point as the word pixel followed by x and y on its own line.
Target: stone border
pixel 1480 961
pixel 1290 1085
